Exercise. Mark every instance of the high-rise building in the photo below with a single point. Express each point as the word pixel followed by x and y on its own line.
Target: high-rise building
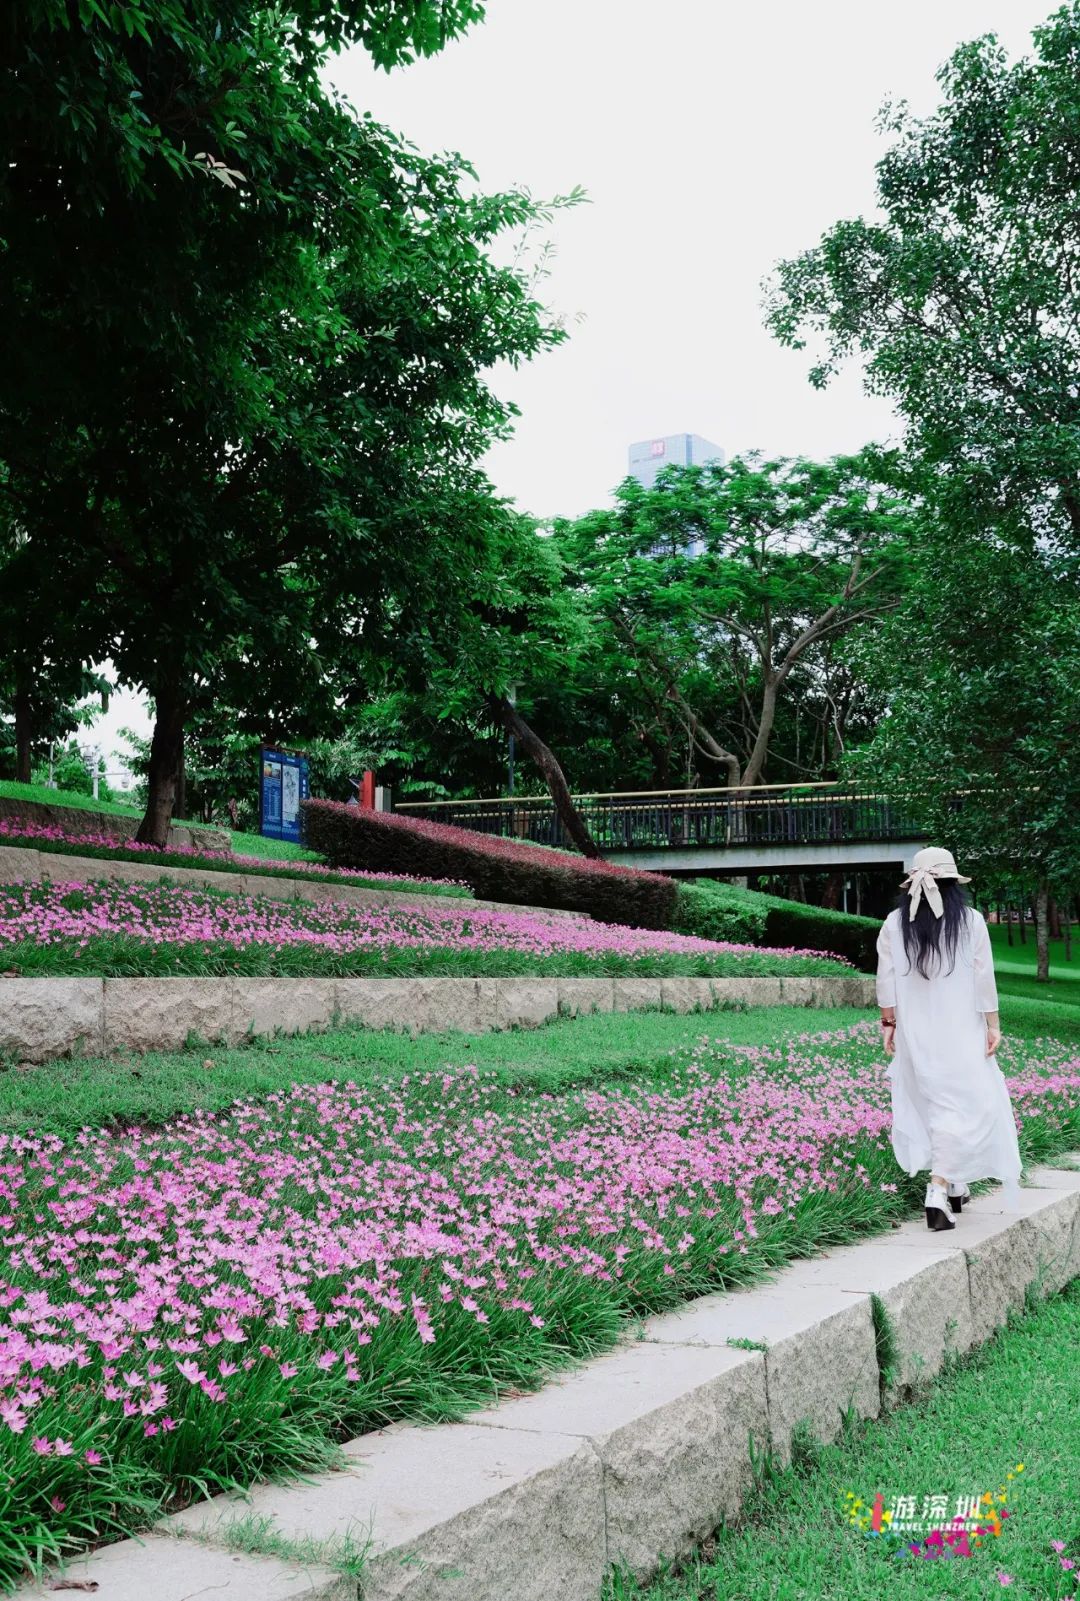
pixel 650 456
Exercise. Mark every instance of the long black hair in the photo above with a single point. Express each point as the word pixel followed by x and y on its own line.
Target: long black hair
pixel 929 941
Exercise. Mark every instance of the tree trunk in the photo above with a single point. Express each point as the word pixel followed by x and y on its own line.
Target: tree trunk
pixel 572 821
pixel 833 891
pixel 756 765
pixel 23 728
pixel 1022 915
pixel 1042 935
pixel 180 807
pixel 166 748
pixel 1068 928
pixel 1009 921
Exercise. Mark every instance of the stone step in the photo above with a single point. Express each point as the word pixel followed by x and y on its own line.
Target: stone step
pixel 42 1018
pixel 163 1568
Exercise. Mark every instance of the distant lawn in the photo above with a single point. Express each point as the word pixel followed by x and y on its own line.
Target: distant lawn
pixel 65 797
pixel 243 844
pixel 1021 958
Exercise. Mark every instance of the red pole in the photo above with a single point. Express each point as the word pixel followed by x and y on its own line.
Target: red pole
pixel 367 792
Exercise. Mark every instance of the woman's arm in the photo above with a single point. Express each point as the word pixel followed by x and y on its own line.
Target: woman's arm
pixel 986 995
pixel 886 990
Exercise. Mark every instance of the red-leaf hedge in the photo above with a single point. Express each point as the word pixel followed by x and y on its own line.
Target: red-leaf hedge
pixel 497 869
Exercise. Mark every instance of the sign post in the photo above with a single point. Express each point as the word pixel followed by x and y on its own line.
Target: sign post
pixel 283 784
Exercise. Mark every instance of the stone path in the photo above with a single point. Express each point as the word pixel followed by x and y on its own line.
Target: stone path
pixel 635 1455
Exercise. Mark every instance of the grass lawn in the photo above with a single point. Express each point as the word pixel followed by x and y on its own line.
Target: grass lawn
pixel 243 844
pixel 1015 1401
pixel 65 797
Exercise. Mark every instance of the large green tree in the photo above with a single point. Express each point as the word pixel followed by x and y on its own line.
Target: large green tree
pixel 962 296
pixel 250 332
pixel 981 672
pixel 721 587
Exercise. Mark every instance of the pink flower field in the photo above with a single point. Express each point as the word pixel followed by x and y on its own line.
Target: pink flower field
pixel 109 927
pixel 226 1296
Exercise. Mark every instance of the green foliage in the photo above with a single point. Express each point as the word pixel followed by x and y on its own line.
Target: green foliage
pixel 715 910
pixel 719 598
pixel 986 733
pixel 246 455
pixel 961 296
pixel 72 775
pixel 711 909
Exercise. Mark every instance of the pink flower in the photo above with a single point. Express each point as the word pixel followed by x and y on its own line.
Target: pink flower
pixel 289 1370
pixel 56 1504
pixel 93 1459
pixel 42 1446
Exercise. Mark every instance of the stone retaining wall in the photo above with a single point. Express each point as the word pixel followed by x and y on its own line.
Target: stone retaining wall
pixel 74 819
pixel 20 865
pixel 42 1018
pixel 635 1456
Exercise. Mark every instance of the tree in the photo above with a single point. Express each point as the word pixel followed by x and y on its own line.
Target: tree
pixel 738 575
pixel 964 298
pixel 507 620
pixel 257 426
pixel 983 745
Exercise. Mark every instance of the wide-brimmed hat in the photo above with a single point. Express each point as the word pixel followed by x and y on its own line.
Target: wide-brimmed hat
pixel 926 868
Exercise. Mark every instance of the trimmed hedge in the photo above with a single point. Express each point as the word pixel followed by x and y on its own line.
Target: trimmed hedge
pixel 714 910
pixel 496 869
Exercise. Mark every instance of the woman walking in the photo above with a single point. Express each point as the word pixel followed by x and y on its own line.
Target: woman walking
pixel 940 1025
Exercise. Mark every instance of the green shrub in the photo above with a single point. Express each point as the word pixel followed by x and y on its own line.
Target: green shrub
pixel 715 910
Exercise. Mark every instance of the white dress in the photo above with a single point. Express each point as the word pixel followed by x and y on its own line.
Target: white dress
pixel 951 1108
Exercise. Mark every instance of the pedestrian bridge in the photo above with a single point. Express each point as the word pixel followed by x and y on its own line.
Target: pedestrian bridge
pixel 767 828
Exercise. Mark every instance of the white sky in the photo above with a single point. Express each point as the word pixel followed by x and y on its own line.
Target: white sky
pixel 713 138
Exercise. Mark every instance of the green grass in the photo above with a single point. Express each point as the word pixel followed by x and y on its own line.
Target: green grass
pixel 1019 957
pixel 275 850
pixel 1014 1401
pixel 65 797
pixel 62 1097
pixel 243 844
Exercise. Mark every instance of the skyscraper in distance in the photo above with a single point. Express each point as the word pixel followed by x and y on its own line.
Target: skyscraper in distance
pixel 649 457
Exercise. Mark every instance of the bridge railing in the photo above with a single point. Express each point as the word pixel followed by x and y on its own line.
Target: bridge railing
pixel 681 819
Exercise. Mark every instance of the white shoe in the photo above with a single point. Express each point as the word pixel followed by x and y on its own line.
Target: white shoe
pixel 958 1194
pixel 937 1213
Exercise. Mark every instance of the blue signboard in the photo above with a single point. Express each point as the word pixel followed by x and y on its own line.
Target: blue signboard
pixel 282 786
